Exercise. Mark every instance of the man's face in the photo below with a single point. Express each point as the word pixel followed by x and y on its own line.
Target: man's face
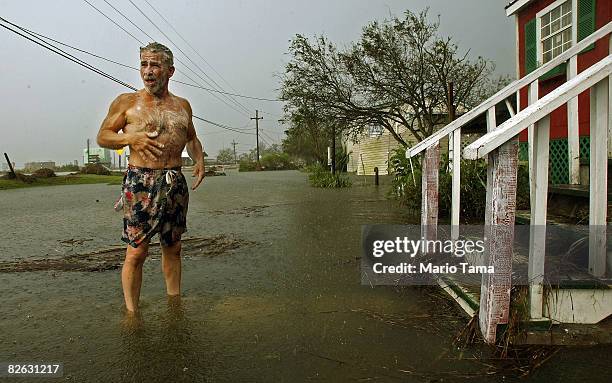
pixel 154 72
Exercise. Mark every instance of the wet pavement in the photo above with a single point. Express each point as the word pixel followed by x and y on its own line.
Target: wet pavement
pixel 271 293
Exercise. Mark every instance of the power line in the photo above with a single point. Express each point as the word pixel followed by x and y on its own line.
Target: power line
pixel 221 125
pixel 267 136
pixel 69 57
pixel 73 47
pixel 225 131
pixel 177 59
pixel 178 70
pixel 171 26
pixel 229 93
pixel 92 68
pixel 129 20
pixel 191 46
pixel 129 66
pixel 184 54
pixel 112 21
pixel 265 141
pixel 272 114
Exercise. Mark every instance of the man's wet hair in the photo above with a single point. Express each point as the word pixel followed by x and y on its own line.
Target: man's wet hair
pixel 156 47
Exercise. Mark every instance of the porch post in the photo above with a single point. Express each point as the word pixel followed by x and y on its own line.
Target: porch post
pixel 429 192
pixel 537 228
pixel 532 96
pixel 456 183
pixel 499 234
pixel 598 177
pixel 573 143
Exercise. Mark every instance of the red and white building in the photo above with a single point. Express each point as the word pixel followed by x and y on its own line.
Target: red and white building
pixel 544 30
pixel 560 119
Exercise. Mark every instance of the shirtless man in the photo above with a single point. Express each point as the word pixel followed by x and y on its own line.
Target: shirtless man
pixel 156 125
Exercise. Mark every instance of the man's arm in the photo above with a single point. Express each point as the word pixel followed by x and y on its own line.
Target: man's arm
pixel 109 137
pixel 194 149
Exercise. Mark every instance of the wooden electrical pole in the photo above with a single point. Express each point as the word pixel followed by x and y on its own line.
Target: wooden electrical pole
pixel 8 161
pixel 257 118
pixel 333 151
pixel 234 143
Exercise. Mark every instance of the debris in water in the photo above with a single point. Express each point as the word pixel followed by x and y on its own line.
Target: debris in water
pixel 111 259
pixel 248 211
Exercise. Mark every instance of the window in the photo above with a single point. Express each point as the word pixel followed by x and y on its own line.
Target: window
pixel 375 131
pixel 555 30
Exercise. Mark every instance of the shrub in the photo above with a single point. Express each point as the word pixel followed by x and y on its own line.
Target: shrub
pixel 95 169
pixel 67 168
pixel 269 161
pixel 407 186
pixel 44 173
pixel 322 178
pixel 247 166
pixel 19 177
pixel 276 161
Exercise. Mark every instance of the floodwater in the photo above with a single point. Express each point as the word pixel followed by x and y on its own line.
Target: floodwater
pixel 271 293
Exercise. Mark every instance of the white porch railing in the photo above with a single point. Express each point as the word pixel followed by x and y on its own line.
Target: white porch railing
pixel 500 144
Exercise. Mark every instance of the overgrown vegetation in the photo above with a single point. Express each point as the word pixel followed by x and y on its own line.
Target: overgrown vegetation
pixel 396 74
pixel 407 186
pixel 225 156
pixel 44 173
pixel 321 177
pixel 271 158
pixel 95 169
pixel 518 360
pixel 67 168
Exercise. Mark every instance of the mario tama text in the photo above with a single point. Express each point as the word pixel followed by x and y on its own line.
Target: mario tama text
pixel 430 268
pixel 442 248
pixel 400 254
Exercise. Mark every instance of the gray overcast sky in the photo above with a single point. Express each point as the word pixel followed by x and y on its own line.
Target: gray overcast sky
pixel 50 106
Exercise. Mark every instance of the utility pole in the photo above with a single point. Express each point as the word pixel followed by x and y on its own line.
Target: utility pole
pixel 333 159
pixel 10 165
pixel 88 150
pixel 234 143
pixel 257 118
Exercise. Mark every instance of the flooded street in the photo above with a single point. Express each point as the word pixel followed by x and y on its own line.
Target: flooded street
pixel 271 293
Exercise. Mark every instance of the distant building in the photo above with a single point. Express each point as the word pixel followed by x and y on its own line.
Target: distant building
pixel 32 166
pixel 97 155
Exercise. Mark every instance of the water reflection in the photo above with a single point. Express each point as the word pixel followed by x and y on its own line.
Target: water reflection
pixel 165 348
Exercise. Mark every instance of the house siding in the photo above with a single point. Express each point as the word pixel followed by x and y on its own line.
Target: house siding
pixel 371 152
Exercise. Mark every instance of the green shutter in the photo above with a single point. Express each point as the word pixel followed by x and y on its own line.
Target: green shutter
pixel 531 58
pixel 559 70
pixel 586 20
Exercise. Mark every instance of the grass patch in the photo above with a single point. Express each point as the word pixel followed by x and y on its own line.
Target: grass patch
pixel 321 177
pixel 77 179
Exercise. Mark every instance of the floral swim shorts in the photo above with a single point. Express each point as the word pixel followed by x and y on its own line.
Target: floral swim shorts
pixel 154 201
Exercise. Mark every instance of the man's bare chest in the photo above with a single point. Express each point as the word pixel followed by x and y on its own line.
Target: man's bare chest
pixel 163 119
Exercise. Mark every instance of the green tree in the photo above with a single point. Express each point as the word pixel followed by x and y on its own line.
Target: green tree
pixel 225 156
pixel 397 73
pixel 307 136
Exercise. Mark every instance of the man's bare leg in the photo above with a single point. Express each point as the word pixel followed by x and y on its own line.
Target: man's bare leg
pixel 131 274
pixel 171 266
